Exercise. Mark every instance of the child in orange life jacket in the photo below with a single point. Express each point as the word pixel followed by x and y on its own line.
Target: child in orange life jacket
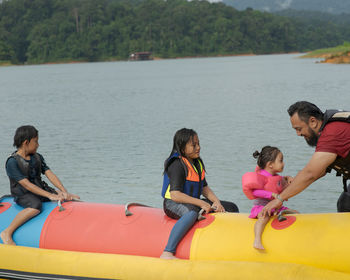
pixel 270 162
pixel 184 184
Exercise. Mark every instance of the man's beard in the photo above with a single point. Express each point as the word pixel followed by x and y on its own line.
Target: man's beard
pixel 312 140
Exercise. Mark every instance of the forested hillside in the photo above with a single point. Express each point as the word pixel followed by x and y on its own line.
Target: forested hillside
pixel 39 31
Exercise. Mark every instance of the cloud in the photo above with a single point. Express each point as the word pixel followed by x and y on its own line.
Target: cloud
pixel 285 4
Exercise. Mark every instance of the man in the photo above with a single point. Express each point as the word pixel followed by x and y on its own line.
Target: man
pixel 329 132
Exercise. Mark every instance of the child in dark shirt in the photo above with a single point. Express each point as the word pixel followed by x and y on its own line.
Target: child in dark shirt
pixel 24 168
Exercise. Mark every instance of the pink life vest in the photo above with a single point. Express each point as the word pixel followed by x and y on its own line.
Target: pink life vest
pixel 254 181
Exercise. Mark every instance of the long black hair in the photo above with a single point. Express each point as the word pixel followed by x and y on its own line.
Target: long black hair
pixel 267 154
pixel 181 138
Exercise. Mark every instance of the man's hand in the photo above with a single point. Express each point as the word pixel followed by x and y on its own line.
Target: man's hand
pixel 268 209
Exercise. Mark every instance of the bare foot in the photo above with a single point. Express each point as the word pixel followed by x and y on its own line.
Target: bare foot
pixel 258 245
pixel 6 239
pixel 167 256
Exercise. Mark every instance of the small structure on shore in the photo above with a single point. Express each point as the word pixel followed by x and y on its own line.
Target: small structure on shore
pixel 136 56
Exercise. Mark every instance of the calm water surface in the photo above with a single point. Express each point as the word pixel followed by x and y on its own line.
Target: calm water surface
pixel 106 128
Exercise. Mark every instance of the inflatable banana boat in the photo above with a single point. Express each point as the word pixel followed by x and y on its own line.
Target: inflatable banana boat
pixel 80 240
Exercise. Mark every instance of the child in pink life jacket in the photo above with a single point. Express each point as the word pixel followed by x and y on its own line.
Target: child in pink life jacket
pixel 270 163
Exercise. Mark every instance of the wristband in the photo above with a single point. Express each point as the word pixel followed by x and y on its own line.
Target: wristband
pixel 279 198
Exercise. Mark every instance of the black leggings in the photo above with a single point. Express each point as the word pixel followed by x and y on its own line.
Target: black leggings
pixel 175 210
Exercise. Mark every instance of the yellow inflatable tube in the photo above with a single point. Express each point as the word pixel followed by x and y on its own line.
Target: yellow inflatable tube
pixel 319 240
pixel 33 263
pixel 305 246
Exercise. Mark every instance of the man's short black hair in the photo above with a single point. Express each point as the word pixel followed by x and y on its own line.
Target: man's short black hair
pixel 305 110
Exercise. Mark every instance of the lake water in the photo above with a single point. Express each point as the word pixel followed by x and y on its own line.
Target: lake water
pixel 106 128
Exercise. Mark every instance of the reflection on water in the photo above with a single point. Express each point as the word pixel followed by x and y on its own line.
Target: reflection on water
pixel 106 128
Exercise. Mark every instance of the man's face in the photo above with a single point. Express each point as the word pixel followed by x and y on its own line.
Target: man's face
pixel 307 130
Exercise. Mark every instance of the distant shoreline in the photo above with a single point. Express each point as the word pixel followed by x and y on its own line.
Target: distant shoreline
pixel 337 55
pixel 333 58
pixel 6 63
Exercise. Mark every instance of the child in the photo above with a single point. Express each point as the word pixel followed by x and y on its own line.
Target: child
pixel 270 162
pixel 24 168
pixel 184 183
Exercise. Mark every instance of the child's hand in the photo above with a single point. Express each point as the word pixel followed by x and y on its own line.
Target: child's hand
pixel 288 180
pixel 73 196
pixel 54 197
pixel 217 207
pixel 68 196
pixel 206 206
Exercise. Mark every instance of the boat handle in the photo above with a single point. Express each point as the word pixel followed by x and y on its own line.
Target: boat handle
pixel 127 211
pixel 200 214
pixel 60 207
pixel 280 216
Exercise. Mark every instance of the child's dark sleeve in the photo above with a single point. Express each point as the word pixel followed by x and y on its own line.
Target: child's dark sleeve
pixel 44 166
pixel 177 176
pixel 13 170
pixel 205 183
